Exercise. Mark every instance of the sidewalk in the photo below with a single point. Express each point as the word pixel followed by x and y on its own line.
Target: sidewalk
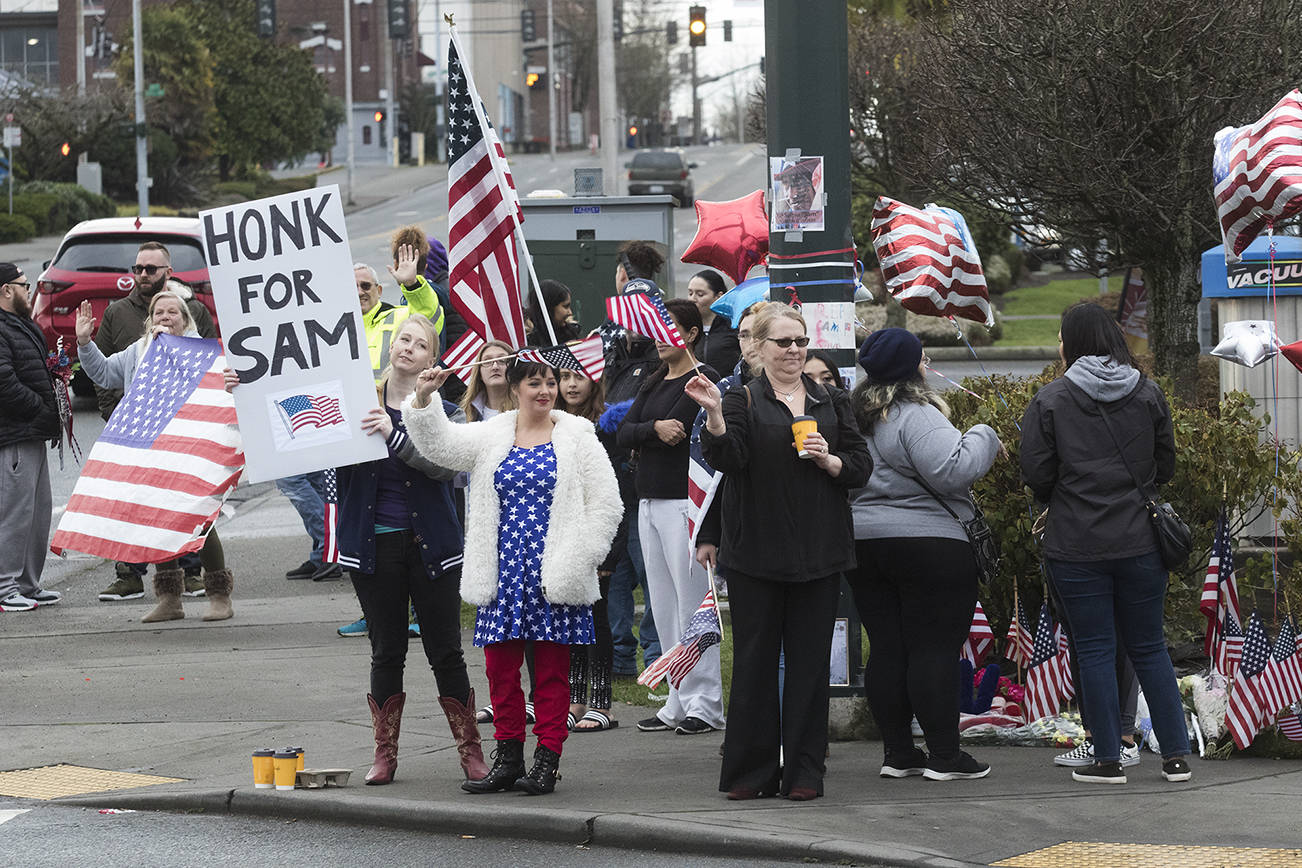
pixel 192 700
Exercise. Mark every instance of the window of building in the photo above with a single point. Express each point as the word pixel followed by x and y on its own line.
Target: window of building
pixel 31 53
pixel 366 134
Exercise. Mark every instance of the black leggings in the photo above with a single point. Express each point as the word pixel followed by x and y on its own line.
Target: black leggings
pixel 593 665
pixel 211 556
pixel 399 575
pixel 915 596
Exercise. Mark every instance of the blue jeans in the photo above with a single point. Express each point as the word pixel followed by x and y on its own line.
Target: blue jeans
pixel 306 491
pixel 628 574
pixel 1126 595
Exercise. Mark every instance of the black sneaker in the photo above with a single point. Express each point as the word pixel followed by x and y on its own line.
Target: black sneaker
pixel 653 724
pixel 303 570
pixel 1100 773
pixel 693 726
pixel 961 767
pixel 904 763
pixel 328 573
pixel 1176 769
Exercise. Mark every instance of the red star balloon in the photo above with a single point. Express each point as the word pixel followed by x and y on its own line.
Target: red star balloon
pixel 731 236
pixel 1293 352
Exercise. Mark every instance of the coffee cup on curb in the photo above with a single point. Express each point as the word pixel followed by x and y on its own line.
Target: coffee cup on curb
pixel 301 755
pixel 286 767
pixel 264 774
pixel 802 427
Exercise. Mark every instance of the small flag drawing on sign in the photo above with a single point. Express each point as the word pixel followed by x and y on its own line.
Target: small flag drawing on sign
pixel 315 410
pixel 312 416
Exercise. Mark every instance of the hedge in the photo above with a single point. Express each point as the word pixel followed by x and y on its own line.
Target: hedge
pixel 15 227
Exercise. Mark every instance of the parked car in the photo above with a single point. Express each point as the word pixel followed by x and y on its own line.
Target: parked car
pixel 94 260
pixel 654 172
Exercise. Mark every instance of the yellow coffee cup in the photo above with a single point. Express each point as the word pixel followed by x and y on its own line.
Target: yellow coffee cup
pixel 264 773
pixel 301 754
pixel 286 765
pixel 802 427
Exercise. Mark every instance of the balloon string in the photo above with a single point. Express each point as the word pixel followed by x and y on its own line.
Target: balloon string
pixel 982 364
pixel 955 384
pixel 1274 419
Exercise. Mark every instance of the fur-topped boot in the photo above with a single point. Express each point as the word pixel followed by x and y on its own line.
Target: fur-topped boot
pixel 168 586
pixel 217 587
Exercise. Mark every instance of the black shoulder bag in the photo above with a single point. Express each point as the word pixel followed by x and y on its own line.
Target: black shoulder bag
pixel 1174 541
pixel 984 545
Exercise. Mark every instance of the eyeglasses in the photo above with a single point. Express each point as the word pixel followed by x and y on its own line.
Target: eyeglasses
pixel 151 270
pixel 25 284
pixel 365 285
pixel 786 342
pixel 496 363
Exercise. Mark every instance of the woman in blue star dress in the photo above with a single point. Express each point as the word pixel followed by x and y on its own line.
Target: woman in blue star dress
pixel 541 511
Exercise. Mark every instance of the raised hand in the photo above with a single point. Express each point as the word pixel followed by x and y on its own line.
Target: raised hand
pixel 703 392
pixel 428 382
pixel 85 324
pixel 405 270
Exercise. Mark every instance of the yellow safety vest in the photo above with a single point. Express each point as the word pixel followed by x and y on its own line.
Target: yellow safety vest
pixel 383 320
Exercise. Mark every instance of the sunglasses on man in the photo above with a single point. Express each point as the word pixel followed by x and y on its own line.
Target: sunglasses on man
pixel 151 270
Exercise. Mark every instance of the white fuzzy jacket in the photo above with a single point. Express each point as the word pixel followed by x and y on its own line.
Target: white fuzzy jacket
pixel 586 507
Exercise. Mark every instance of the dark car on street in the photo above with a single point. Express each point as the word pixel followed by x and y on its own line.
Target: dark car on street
pixel 654 172
pixel 94 260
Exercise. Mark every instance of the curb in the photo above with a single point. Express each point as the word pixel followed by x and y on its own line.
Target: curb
pixel 621 830
pixel 994 354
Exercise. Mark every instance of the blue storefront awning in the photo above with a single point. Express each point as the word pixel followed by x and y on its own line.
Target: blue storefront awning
pixel 1250 276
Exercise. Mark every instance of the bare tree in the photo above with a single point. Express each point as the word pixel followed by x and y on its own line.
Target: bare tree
pixel 1097 118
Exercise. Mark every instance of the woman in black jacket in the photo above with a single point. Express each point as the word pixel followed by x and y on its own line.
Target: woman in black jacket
pixel 1099 545
pixel 787 537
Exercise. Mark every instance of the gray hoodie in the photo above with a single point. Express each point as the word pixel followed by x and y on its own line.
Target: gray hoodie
pixel 1102 378
pixel 917 440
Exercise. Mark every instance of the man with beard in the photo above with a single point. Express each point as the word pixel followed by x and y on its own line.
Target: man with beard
pixel 122 325
pixel 29 416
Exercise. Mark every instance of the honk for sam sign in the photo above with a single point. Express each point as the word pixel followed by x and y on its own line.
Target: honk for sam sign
pixel 282 278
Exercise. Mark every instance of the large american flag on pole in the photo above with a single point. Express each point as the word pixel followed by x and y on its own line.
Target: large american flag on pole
pixel 1257 173
pixel 157 477
pixel 462 354
pixel 929 261
pixel 1220 591
pixel 483 212
pixel 703 630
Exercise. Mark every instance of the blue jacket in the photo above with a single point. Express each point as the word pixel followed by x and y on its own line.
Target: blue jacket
pixel 434 521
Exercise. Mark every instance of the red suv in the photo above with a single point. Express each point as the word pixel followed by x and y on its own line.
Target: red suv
pixel 94 262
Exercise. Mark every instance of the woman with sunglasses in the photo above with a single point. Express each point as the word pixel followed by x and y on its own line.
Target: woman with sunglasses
pixel 786 540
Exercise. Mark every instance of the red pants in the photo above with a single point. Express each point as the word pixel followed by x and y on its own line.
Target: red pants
pixel 551 691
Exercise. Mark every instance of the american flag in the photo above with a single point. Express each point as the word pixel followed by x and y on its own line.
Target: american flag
pixel 1044 688
pixel 1064 664
pixel 483 212
pixel 1257 173
pixel 929 261
pixel 980 637
pixel 1290 725
pixel 645 314
pixel 1220 590
pixel 1019 639
pixel 1229 651
pixel 462 353
pixel 1282 681
pixel 1246 713
pixel 157 476
pixel 584 356
pixel 703 630
pixel 318 411
pixel 331 517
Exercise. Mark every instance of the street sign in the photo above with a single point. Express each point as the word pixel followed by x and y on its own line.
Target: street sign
pixel 13 137
pixel 154 90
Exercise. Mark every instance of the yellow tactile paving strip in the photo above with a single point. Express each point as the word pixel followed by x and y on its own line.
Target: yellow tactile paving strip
pixel 1078 854
pixel 51 782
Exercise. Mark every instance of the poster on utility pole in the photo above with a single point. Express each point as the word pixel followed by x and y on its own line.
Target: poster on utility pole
pixel 282 278
pixel 797 193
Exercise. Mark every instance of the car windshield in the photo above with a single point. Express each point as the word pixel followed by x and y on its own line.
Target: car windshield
pixel 117 253
pixel 660 160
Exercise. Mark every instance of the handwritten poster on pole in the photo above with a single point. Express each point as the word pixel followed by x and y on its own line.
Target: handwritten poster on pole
pixel 282 278
pixel 830 324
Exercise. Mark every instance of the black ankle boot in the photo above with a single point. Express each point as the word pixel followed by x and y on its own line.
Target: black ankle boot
pixel 543 776
pixel 508 765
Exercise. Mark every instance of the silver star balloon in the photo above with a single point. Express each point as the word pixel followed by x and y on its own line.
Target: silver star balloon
pixel 1247 342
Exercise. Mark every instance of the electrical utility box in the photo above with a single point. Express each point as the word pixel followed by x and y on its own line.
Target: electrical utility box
pixel 575 240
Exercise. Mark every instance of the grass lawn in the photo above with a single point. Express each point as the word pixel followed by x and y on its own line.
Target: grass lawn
pixel 1052 298
pixel 1029 333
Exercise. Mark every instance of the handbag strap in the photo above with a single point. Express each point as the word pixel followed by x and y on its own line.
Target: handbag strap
pixel 1107 422
pixel 949 509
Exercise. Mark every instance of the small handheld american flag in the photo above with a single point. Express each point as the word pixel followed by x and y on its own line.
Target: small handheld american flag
pixel 645 314
pixel 703 630
pixel 584 356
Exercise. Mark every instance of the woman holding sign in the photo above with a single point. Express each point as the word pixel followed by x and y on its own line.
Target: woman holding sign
pixel 543 507
pixel 168 314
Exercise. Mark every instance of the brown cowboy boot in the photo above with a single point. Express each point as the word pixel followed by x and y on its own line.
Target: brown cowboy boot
pixel 168 585
pixel 461 718
pixel 386 722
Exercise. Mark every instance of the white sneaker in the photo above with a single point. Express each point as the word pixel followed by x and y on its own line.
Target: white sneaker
pixel 16 602
pixel 1129 754
pixel 1082 755
pixel 45 598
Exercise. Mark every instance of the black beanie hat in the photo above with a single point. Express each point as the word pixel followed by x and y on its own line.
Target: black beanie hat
pixel 890 355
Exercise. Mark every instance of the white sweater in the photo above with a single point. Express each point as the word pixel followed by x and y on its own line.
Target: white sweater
pixel 586 506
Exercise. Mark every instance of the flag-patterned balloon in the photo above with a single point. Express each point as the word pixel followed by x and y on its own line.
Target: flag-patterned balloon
pixel 929 261
pixel 1257 173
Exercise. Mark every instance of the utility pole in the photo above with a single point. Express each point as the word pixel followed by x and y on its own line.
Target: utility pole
pixel 390 118
pixel 142 155
pixel 553 82
pixel 606 99
pixel 438 79
pixel 696 104
pixel 348 94
pixel 81 49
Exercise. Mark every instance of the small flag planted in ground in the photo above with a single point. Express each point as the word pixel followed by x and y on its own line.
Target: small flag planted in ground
pixel 1019 638
pixel 1220 590
pixel 1044 687
pixel 1290 725
pixel 980 637
pixel 703 630
pixel 1246 714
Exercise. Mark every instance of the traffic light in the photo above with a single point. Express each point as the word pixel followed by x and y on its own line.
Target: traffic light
pixel 619 24
pixel 632 129
pixel 528 25
pixel 696 26
pixel 671 32
pixel 379 116
pixel 727 30
pixel 531 79
pixel 65 149
pixel 399 19
pixel 379 120
pixel 266 13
